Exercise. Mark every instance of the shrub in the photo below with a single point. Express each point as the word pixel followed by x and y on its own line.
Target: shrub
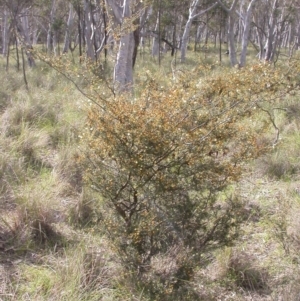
pixel 163 162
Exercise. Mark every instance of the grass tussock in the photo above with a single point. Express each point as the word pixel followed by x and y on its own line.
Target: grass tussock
pixel 68 168
pixel 11 173
pixel 244 270
pixel 85 212
pixel 282 163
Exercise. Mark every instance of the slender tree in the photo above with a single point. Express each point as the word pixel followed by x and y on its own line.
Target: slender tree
pixel 89 30
pixel 69 26
pixel 192 15
pixel 269 48
pixel 246 18
pixel 50 35
pixel 231 21
pixel 123 71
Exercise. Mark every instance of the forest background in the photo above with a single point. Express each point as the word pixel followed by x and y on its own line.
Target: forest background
pixel 149 150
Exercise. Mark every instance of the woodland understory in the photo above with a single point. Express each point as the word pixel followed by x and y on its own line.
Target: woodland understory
pixel 149 150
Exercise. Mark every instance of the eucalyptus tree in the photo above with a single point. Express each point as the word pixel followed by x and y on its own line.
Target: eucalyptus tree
pixel 4 29
pixel 167 19
pixel 143 13
pixel 89 30
pixel 51 39
pixel 16 26
pixel 282 15
pixel 272 31
pixel 274 25
pixel 156 35
pixel 69 29
pixel 260 24
pixel 296 37
pixel 193 13
pixel 126 14
pixel 246 19
pixel 77 4
pixel 123 72
pixel 231 11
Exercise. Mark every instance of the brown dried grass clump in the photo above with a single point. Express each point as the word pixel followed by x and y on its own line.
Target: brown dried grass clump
pixel 84 213
pixel 68 168
pixel 96 270
pixel 26 227
pixel 246 273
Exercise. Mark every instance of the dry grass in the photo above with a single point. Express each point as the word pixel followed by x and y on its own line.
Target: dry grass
pixel 68 169
pixel 43 252
pixel 84 213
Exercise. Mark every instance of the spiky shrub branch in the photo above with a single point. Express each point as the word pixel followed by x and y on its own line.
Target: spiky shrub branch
pixel 163 162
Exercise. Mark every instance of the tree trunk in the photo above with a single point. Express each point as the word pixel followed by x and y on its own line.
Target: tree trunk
pixel 139 23
pixel 68 29
pixel 5 32
pixel 231 42
pixel 245 37
pixel 90 51
pixel 50 31
pixel 260 36
pixel 297 45
pixel 123 72
pixel 231 20
pixel 271 33
pixel 79 33
pixel 155 43
pixel 17 54
pixel 23 68
pixel 35 34
pixel 25 29
pixel 185 39
pixel 188 25
pixel 105 29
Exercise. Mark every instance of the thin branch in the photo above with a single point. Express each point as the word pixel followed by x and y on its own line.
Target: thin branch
pixel 272 119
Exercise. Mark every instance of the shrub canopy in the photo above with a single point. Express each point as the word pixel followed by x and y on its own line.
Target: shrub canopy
pixel 163 161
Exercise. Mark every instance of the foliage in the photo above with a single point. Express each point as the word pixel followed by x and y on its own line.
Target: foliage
pixel 164 163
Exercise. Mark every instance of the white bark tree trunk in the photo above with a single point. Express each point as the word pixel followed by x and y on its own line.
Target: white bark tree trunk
pixel 245 37
pixel 89 30
pixel 231 20
pixel 259 37
pixel 68 29
pixel 298 37
pixel 5 31
pixel 188 25
pixel 35 34
pixel 25 28
pixel 185 39
pixel 271 32
pixel 155 41
pixel 50 31
pixel 123 71
pixel 231 42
